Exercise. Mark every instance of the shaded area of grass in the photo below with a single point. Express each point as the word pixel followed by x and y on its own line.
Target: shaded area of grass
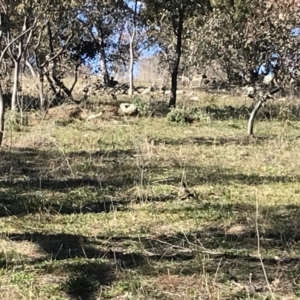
pixel 92 262
pixel 270 111
pixel 105 221
pixel 29 185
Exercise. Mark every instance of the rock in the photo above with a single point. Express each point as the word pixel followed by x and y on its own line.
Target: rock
pixel 127 109
pixel 194 98
pixel 146 91
pixel 91 117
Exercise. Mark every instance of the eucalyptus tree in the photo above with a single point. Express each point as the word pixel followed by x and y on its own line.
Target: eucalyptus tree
pixel 136 32
pixel 18 21
pixel 23 19
pixel 242 35
pixel 106 21
pixel 167 25
pixel 250 37
pixel 55 47
pixel 132 42
pixel 132 34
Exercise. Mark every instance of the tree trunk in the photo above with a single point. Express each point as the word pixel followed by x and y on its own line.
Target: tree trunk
pixel 174 73
pixel 131 50
pixel 62 86
pixel 130 91
pixel 50 81
pixel 103 63
pixel 41 91
pixel 30 67
pixel 1 115
pixel 14 97
pixel 75 77
pixel 257 107
pixel 253 115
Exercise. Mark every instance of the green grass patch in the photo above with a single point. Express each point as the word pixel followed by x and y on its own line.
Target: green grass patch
pixel 92 210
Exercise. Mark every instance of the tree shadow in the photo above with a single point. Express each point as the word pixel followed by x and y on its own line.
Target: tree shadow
pixel 27 185
pixel 86 269
pixel 270 111
pixel 219 141
pixel 26 182
pixel 233 254
pixel 88 279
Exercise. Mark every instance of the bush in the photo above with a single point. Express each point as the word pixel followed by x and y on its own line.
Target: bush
pixel 176 115
pixel 143 108
pixel 181 115
pixel 14 120
pixel 199 114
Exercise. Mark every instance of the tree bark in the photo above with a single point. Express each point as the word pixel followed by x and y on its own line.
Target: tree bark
pixel 77 65
pixel 131 63
pixel 131 44
pixel 52 67
pixel 103 64
pixel 30 67
pixel 253 115
pixel 257 107
pixel 2 111
pixel 52 86
pixel 62 86
pixel 174 73
pixel 41 91
pixel 14 97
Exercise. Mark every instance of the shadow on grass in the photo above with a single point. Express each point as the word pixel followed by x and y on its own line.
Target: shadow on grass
pixel 269 112
pixel 279 232
pixel 69 256
pixel 28 184
pixel 213 251
pixel 219 141
pixel 85 195
pixel 87 279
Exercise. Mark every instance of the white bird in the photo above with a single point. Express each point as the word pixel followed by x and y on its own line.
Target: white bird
pixel 269 78
pixel 249 91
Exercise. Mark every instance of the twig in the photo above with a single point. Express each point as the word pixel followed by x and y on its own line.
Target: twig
pixel 187 250
pixel 66 160
pixel 259 253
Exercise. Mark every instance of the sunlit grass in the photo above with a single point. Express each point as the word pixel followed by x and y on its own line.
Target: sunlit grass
pixel 91 209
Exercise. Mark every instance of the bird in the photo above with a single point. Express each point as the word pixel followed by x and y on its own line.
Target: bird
pixel 268 79
pixel 249 91
pixel 113 96
pixel 112 82
pixel 184 193
pixel 85 89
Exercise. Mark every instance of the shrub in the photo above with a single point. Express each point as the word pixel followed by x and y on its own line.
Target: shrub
pixel 176 115
pixel 143 108
pixel 181 115
pixel 14 120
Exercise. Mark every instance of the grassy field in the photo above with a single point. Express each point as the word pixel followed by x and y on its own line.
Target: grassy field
pixel 93 211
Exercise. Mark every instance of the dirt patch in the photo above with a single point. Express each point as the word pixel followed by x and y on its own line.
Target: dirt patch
pixel 67 112
pixel 22 249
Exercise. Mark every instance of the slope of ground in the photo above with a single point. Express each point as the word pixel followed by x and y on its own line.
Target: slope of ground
pixel 91 210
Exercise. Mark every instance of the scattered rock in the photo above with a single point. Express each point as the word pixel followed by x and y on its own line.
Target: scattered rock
pixel 128 109
pixel 148 90
pixel 194 98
